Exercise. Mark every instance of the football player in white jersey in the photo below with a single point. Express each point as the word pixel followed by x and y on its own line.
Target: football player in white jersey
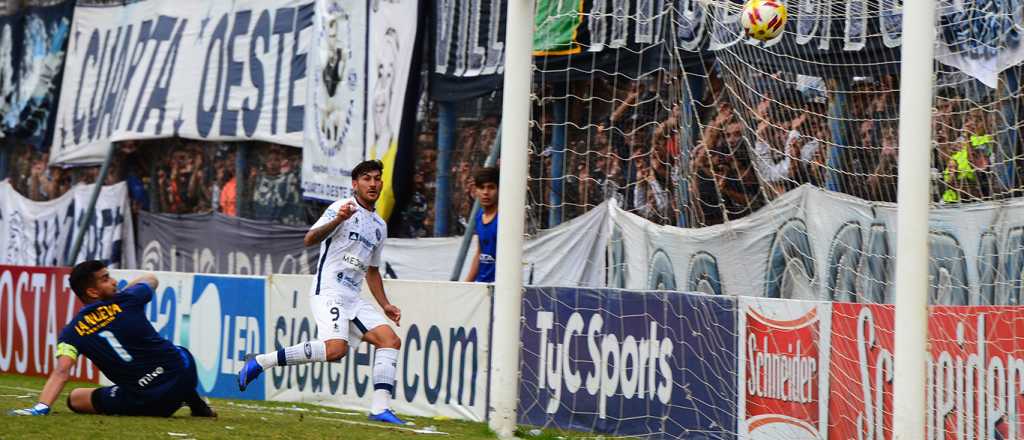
pixel 351 236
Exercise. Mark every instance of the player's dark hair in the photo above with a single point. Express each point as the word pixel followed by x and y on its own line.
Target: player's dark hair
pixel 83 276
pixel 486 175
pixel 367 166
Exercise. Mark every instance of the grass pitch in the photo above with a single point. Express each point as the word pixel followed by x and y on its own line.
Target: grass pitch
pixel 237 419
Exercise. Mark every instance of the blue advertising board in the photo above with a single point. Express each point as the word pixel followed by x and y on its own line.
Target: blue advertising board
pixel 226 322
pixel 659 364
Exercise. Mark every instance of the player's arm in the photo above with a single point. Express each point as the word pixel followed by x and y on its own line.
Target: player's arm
pixel 376 285
pixel 474 267
pixel 66 355
pixel 55 383
pixel 327 224
pixel 147 279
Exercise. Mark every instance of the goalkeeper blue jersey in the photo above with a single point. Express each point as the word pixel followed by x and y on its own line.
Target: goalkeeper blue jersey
pixel 116 336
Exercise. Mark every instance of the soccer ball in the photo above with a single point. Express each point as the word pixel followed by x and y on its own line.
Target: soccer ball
pixel 763 19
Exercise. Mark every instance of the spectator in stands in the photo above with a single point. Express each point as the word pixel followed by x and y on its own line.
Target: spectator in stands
pixel 982 143
pixel 40 181
pixel 650 199
pixel 184 188
pixel 426 170
pixel 771 159
pixel 966 171
pixel 868 106
pixel 859 161
pixel 714 130
pixel 463 194
pixel 415 215
pixel 487 137
pixel 428 221
pixel 705 203
pixel 637 108
pixel 604 160
pixel 468 140
pixel 808 141
pixel 46 183
pixel 485 183
pixel 276 189
pixel 426 159
pixel 224 193
pixel 114 171
pixel 882 181
pixel 666 134
pixel 134 172
pixel 944 116
pixel 21 166
pixel 628 129
pixel 735 178
pixel 84 175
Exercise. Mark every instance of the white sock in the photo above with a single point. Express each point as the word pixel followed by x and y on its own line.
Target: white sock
pixel 384 367
pixel 307 352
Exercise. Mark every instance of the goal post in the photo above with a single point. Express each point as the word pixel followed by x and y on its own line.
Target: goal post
pixel 913 199
pixel 853 182
pixel 508 287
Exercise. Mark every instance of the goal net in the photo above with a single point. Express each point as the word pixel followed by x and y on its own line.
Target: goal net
pixel 768 171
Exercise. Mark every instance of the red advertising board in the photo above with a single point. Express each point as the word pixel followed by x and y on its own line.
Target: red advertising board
pixel 975 372
pixel 860 377
pixel 781 370
pixel 35 304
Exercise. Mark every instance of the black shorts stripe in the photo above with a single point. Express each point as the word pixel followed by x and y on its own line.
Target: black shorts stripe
pixel 359 325
pixel 320 265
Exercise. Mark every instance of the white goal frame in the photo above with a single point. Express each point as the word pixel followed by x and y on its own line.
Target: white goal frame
pixel 508 286
pixel 913 198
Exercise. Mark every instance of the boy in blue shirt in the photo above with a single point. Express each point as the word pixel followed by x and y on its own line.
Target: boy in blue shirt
pixel 152 377
pixel 486 182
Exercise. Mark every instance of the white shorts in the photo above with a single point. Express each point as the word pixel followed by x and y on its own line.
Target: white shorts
pixel 332 319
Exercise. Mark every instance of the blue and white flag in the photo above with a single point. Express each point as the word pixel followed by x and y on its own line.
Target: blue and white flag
pixel 32 44
pixel 43 233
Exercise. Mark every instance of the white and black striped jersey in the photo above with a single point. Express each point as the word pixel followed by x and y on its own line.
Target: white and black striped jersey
pixel 346 253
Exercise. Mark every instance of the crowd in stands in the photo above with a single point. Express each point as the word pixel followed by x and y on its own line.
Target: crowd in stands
pixel 178 176
pixel 622 140
pixel 757 139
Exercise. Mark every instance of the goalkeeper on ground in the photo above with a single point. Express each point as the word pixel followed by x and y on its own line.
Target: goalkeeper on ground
pixel 351 237
pixel 152 377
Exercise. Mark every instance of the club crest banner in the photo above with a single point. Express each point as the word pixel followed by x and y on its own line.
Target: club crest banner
pixel 359 73
pixel 186 68
pixel 335 136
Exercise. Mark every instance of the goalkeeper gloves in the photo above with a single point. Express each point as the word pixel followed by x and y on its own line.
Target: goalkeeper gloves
pixel 40 409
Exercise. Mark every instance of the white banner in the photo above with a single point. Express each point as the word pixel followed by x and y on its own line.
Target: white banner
pixel 815 244
pixel 392 36
pixel 183 68
pixel 428 259
pixel 42 233
pixel 334 137
pixel 571 254
pixel 442 370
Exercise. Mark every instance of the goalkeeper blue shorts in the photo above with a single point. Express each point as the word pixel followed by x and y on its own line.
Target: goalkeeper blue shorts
pixel 164 402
